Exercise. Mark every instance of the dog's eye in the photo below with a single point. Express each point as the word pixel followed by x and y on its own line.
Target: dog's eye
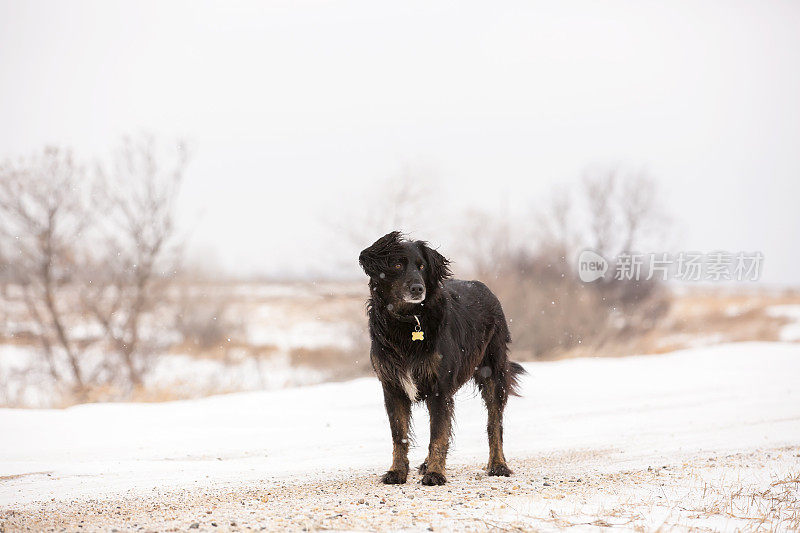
pixel 398 266
pixel 422 267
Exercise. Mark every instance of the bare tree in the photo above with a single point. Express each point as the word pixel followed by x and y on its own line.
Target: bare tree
pixel 399 202
pixel 623 211
pixel 139 250
pixel 549 307
pixel 486 245
pixel 92 253
pixel 43 214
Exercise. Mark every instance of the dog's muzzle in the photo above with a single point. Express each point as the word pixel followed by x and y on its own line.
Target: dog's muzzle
pixel 415 293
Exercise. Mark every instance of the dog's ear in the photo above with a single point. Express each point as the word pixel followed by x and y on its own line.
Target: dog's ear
pixel 375 259
pixel 438 265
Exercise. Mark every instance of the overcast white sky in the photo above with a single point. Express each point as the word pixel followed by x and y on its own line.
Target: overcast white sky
pixel 294 107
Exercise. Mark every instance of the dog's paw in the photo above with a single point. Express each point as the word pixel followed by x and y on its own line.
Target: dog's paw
pixel 394 477
pixel 499 469
pixel 423 468
pixel 433 478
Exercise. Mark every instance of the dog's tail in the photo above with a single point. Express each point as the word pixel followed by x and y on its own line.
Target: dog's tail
pixel 515 370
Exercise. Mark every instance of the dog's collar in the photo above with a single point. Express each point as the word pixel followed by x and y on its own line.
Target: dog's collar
pixel 417 334
pixel 404 318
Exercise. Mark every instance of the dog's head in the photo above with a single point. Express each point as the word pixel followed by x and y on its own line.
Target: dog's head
pixel 405 272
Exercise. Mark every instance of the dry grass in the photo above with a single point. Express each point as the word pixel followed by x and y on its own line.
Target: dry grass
pixel 775 507
pixel 340 364
pixel 702 317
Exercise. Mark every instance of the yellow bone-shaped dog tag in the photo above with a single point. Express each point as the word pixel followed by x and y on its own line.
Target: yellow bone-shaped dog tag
pixel 417 334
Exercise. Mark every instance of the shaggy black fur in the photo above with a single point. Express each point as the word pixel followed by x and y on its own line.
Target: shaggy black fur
pixel 465 337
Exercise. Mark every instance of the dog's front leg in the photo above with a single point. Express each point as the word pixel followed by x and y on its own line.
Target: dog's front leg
pixel 440 408
pixel 398 408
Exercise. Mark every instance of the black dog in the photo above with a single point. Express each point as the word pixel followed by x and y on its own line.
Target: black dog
pixel 430 335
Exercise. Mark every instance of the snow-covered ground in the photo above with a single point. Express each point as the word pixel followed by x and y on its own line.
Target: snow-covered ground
pixel 620 416
pixel 25 377
pixel 791 331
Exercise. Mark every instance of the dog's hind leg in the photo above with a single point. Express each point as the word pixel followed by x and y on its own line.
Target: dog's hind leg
pixel 495 399
pixel 492 382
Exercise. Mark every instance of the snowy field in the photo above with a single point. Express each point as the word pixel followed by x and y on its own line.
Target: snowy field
pixel 705 438
pixel 268 336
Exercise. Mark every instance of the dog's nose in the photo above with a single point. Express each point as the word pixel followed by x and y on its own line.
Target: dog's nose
pixel 417 289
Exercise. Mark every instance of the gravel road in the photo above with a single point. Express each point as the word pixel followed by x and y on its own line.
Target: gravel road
pixel 583 490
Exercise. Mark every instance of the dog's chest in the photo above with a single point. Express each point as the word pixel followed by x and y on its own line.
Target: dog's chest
pixel 420 376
